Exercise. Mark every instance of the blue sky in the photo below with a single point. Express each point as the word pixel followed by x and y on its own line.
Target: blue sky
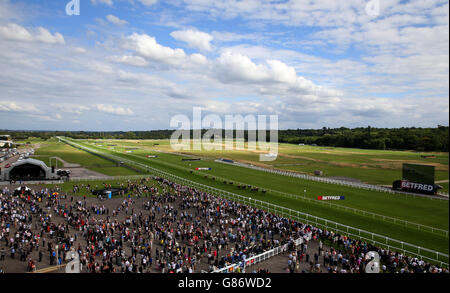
pixel 135 64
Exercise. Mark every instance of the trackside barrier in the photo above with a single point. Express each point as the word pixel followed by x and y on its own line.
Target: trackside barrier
pixel 259 258
pixel 33 182
pixel 369 237
pixel 389 219
pixel 385 218
pixel 409 224
pixel 330 180
pixel 107 178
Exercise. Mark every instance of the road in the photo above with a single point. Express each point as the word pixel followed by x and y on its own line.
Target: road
pixel 14 158
pixel 9 161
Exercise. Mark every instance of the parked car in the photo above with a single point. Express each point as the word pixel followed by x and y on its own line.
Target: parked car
pixel 63 173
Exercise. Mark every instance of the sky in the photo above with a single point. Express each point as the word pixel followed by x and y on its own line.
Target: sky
pixel 135 64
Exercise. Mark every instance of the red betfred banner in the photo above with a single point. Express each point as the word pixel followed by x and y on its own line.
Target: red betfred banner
pixel 320 197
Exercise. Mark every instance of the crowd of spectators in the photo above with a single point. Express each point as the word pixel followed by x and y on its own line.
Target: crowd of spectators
pixel 156 225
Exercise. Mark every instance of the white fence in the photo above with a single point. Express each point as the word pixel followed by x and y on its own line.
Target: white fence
pixel 385 218
pixel 331 181
pixel 258 258
pixel 389 219
pixel 369 237
pixel 288 195
pixel 409 224
pixel 107 178
pixel 41 182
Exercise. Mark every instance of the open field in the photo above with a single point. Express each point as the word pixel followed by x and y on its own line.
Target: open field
pixel 369 166
pixel 445 186
pixel 53 148
pixel 425 211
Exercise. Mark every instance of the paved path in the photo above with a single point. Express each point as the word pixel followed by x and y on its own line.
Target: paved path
pixel 9 161
pixel 67 164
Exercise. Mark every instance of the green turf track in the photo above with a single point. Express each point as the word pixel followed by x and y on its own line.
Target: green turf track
pixel 370 166
pixel 420 210
pixel 55 149
pixel 415 209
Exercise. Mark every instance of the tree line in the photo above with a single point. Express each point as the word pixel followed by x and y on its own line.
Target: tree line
pixel 405 138
pixel 412 138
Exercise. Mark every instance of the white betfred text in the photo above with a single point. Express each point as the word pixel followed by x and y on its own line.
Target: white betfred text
pixel 419 186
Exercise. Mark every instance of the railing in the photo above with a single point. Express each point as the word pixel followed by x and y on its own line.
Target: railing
pixel 369 237
pixel 258 258
pixel 389 219
pixel 406 223
pixel 253 260
pixel 385 218
pixel 331 181
pixel 107 178
pixel 33 182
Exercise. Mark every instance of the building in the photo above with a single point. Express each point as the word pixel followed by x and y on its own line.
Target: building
pixel 5 137
pixel 5 141
pixel 27 170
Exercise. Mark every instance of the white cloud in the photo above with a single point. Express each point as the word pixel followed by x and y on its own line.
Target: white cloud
pixel 148 3
pixel 115 20
pixel 114 110
pixel 106 2
pixel 79 50
pixel 230 37
pixel 70 108
pixel 272 77
pixel 240 68
pixel 16 32
pixel 46 37
pixel 130 60
pixel 397 65
pixel 194 39
pixel 268 78
pixel 9 10
pixel 147 47
pixel 19 107
pixel 198 59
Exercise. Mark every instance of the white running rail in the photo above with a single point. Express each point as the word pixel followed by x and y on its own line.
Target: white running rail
pixel 374 238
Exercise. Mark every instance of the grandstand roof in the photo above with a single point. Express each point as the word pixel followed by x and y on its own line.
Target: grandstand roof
pixel 29 161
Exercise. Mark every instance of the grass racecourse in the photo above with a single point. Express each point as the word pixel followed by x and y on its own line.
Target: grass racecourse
pixel 370 166
pixel 368 207
pixel 52 148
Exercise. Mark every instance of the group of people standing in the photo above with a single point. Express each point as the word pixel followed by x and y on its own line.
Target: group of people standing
pixel 169 228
